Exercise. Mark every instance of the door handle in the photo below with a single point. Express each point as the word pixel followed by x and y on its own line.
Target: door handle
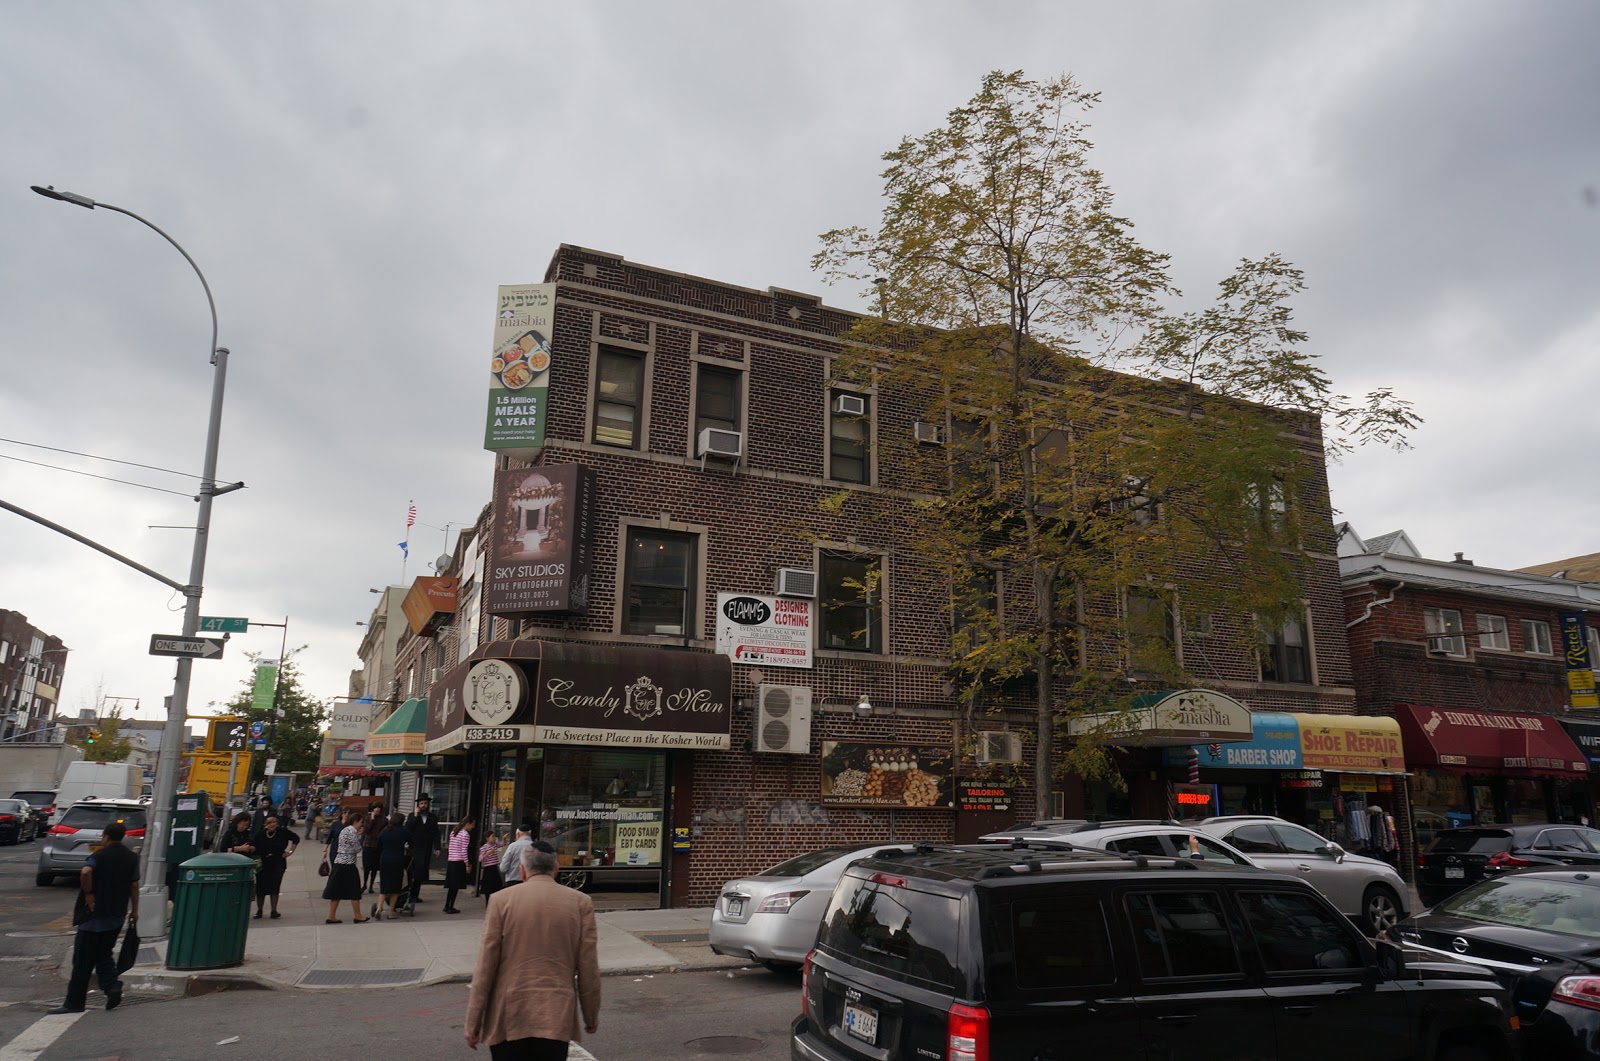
pixel 1175 1018
pixel 1304 868
pixel 1300 1010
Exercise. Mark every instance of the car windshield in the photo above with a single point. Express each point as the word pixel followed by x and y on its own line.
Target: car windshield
pixel 1530 902
pixel 1471 841
pixel 800 865
pixel 91 817
pixel 14 806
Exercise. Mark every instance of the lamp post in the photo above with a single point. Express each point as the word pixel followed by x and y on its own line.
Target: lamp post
pixel 155 847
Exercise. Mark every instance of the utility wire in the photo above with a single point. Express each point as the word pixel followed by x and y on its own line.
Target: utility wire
pixel 92 475
pixel 91 456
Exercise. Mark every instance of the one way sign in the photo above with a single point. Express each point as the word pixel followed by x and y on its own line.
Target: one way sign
pixel 178 645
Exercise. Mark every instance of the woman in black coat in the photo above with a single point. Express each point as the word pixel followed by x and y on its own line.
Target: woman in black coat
pixel 273 844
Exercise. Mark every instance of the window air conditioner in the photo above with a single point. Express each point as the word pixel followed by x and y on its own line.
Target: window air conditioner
pixel 999 746
pixel 797 582
pixel 849 405
pixel 783 719
pixel 926 432
pixel 719 443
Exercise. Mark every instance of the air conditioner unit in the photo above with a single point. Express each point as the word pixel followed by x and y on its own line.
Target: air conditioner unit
pixel 926 432
pixel 783 719
pixel 797 582
pixel 999 746
pixel 849 405
pixel 716 442
pixel 438 674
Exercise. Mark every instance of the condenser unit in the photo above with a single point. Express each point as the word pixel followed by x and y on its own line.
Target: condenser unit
pixel 999 746
pixel 783 719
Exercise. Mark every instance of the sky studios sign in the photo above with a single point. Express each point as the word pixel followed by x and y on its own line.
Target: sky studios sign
pixel 635 698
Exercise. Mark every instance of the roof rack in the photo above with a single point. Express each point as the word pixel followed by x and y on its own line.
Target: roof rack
pixel 1088 827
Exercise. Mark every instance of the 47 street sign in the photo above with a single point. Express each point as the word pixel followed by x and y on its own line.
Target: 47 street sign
pixel 222 624
pixel 178 645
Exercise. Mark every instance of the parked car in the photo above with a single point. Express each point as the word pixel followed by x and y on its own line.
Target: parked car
pixel 772 917
pixel 43 801
pixel 19 822
pixel 1538 931
pixel 1369 891
pixel 1459 858
pixel 1023 830
pixel 1162 839
pixel 989 952
pixel 70 841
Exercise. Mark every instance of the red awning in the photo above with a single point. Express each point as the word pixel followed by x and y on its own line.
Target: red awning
pixel 1489 742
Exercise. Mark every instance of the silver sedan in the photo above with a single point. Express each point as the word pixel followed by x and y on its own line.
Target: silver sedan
pixel 772 917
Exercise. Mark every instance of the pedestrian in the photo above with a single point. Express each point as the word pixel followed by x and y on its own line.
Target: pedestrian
pixel 314 829
pixel 489 878
pixel 273 846
pixel 344 879
pixel 424 829
pixel 286 812
pixel 511 858
pixel 538 968
pixel 393 841
pixel 457 857
pixel 258 820
pixel 108 896
pixel 237 836
pixel 371 829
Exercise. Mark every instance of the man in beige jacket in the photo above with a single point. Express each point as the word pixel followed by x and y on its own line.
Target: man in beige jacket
pixel 537 967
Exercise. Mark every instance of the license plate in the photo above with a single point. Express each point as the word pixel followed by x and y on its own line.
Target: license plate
pixel 861 1022
pixel 735 907
pixel 1454 873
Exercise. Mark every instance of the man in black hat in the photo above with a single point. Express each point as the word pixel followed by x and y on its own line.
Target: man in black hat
pixel 424 829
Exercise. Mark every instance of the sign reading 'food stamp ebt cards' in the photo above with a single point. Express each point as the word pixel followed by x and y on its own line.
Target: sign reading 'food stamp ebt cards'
pixel 519 371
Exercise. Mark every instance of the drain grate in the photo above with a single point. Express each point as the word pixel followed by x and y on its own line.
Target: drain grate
pixel 677 937
pixel 359 977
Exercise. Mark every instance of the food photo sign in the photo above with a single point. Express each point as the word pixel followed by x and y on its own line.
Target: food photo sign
pixel 519 371
pixel 885 774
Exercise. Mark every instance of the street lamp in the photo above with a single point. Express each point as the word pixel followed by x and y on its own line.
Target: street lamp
pixel 155 846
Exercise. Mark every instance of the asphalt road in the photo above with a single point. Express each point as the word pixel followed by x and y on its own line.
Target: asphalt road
pixel 682 1015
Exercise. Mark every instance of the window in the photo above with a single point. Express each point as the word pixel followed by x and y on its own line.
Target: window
pixel 1492 632
pixel 898 930
pixel 619 398
pixel 1441 621
pixel 658 585
pixel 849 439
pixel 1060 942
pixel 1152 633
pixel 1560 840
pixel 851 602
pixel 1536 637
pixel 976 605
pixel 1529 902
pixel 1286 657
pixel 1255 840
pixel 969 451
pixel 716 398
pixel 1297 934
pixel 1182 934
pixel 1270 501
pixel 1299 841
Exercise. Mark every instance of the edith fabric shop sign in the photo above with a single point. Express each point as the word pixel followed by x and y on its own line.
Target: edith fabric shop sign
pixel 633 698
pixel 541 541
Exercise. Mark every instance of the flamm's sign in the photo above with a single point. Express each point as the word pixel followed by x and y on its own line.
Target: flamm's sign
pixel 770 631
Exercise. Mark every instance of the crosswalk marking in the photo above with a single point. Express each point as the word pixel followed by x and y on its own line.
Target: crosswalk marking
pixel 37 1037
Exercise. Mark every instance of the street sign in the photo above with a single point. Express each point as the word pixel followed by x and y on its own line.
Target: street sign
pixel 272 766
pixel 259 745
pixel 227 735
pixel 257 728
pixel 178 645
pixel 218 624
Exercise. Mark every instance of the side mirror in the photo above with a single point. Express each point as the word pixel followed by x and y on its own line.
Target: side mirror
pixel 1334 851
pixel 1391 959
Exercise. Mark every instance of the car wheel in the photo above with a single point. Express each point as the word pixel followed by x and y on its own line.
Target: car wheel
pixel 576 879
pixel 1380 909
pixel 44 880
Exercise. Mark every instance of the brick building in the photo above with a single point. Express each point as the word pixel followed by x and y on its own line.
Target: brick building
pixel 689 441
pixel 1473 662
pixel 32 664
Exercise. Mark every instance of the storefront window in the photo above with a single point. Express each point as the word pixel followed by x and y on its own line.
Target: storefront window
pixel 1438 802
pixel 604 808
pixel 1525 801
pixel 449 797
pixel 502 793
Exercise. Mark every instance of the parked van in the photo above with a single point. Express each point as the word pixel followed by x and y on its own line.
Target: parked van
pixel 101 780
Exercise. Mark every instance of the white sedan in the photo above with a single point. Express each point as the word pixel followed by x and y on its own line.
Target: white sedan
pixel 772 917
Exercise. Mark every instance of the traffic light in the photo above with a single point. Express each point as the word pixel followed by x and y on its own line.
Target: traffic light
pixel 94 735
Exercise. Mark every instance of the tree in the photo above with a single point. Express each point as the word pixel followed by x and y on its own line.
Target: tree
pixel 297 739
pixel 102 741
pixel 1105 457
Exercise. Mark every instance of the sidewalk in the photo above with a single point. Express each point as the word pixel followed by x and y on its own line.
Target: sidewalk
pixel 433 947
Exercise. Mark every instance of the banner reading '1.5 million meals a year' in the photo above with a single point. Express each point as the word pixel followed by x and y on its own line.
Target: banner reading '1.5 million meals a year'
pixel 519 371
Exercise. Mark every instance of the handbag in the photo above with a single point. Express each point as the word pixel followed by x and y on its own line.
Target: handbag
pixel 322 868
pixel 128 957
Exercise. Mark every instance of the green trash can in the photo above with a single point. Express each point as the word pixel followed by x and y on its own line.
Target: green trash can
pixel 211 914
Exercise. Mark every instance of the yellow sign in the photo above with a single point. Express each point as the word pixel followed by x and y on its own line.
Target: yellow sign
pixel 1358 783
pixel 1581 685
pixel 638 843
pixel 209 771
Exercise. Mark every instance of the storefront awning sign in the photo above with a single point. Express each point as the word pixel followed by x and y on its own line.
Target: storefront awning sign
pixel 1180 719
pixel 396 742
pixel 1360 744
pixel 1490 742
pixel 1586 735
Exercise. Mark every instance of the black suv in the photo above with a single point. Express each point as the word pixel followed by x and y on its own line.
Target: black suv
pixel 1459 858
pixel 985 953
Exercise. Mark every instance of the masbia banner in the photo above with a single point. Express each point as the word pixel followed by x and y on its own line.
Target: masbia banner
pixel 519 370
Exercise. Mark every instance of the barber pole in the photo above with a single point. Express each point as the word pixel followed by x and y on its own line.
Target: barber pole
pixel 1194 766
pixel 1215 751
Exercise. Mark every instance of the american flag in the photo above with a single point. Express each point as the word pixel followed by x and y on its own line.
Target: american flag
pixel 411 515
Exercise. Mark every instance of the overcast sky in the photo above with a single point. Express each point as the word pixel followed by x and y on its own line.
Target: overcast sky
pixel 357 178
